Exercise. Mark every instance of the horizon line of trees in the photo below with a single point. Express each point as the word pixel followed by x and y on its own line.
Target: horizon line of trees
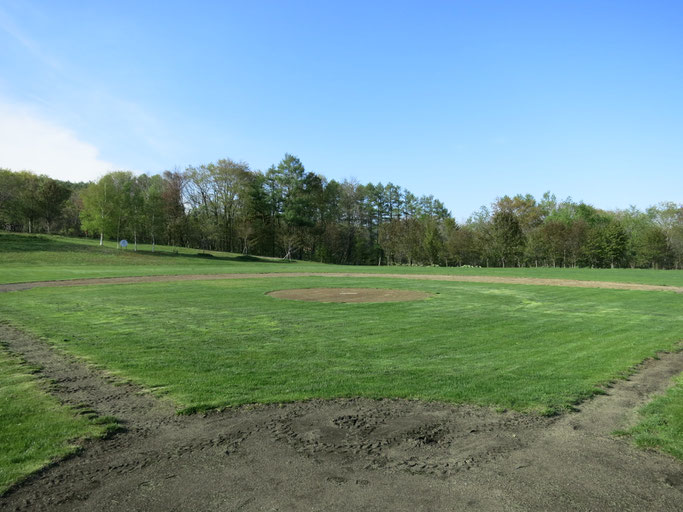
pixel 289 212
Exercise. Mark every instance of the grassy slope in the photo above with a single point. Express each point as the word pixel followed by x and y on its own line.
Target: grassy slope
pixel 34 428
pixel 26 258
pixel 217 343
pixel 662 425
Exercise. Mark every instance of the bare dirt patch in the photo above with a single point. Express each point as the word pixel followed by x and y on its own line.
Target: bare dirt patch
pixel 349 295
pixel 573 283
pixel 348 454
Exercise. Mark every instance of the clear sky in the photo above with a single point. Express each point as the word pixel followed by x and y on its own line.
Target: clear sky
pixel 466 100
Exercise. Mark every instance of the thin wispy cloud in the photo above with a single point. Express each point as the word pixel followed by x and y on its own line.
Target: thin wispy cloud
pixel 28 142
pixel 9 26
pixel 68 102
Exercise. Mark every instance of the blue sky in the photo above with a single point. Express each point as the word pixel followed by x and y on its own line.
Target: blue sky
pixel 464 100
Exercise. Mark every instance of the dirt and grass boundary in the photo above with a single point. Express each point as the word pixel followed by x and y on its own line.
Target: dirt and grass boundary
pixel 347 453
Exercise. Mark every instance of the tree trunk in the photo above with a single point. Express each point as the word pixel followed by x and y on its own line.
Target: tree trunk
pixel 101 239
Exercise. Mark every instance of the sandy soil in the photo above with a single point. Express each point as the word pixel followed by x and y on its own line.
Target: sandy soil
pixel 348 295
pixel 352 454
pixel 424 277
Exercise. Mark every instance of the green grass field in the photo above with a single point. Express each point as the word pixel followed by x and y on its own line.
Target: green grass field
pixel 662 422
pixel 220 343
pixel 34 428
pixel 208 344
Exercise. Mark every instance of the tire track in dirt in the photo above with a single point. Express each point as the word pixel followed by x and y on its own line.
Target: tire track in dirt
pixel 347 454
pixel 574 283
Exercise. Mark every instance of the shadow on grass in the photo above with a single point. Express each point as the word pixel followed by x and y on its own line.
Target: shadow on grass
pixel 211 256
pixel 12 242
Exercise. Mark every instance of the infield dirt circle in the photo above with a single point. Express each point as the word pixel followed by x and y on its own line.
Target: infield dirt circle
pixel 349 295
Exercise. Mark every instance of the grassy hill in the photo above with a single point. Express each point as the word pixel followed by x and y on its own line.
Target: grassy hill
pixel 25 258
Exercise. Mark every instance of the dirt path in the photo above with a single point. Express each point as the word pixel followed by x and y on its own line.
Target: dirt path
pixel 425 277
pixel 353 454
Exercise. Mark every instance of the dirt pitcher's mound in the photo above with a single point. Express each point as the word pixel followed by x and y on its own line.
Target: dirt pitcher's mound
pixel 349 295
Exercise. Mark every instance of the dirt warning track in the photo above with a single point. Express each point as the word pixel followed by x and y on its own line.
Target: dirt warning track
pixel 348 454
pixel 424 277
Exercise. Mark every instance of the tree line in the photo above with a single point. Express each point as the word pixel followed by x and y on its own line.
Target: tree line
pixel 289 212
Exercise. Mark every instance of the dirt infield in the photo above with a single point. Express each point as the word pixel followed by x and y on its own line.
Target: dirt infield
pixel 350 454
pixel 348 295
pixel 425 277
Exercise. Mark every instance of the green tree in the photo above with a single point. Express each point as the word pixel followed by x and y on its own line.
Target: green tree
pixel 461 245
pixel 229 188
pixel 10 192
pixel 173 208
pixel 653 248
pixel 107 204
pixel 554 237
pixel 29 199
pixel 97 205
pixel 508 238
pixel 433 243
pixel 528 213
pixel 669 217
pixel 52 196
pixel 606 243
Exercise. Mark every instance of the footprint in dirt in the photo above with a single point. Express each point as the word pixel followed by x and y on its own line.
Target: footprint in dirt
pixel 433 440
